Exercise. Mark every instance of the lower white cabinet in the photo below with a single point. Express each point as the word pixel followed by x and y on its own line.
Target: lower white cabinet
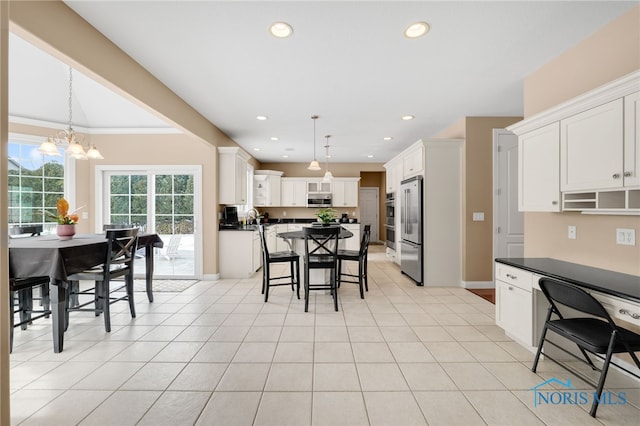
pixel 352 243
pixel 256 260
pixel 514 303
pixel 240 253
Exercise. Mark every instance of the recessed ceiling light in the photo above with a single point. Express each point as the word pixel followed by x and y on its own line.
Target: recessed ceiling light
pixel 256 149
pixel 280 30
pixel 370 156
pixel 417 29
pixel 262 117
pixel 273 138
pixel 407 117
pixel 285 156
pixel 387 138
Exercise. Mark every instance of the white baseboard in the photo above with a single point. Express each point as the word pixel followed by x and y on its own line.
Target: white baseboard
pixel 478 284
pixel 210 277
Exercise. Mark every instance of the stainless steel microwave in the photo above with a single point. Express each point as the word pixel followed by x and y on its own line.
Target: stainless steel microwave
pixel 319 199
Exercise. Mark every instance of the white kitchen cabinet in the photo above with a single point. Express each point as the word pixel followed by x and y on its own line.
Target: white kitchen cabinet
pixel 392 175
pixel 631 174
pixel 281 243
pixel 232 184
pixel 539 169
pixel 352 243
pixel 317 185
pixel 239 252
pixel 270 234
pixel 514 303
pixel 345 192
pixel 267 188
pixel 591 148
pixel 413 161
pixel 294 192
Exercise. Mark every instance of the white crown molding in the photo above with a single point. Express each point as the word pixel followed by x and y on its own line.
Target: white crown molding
pixel 96 130
pixel 615 89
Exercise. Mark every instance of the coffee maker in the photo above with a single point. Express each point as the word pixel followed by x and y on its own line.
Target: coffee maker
pixel 230 217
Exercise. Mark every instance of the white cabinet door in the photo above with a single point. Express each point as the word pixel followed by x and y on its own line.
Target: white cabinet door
pixel 294 192
pixel 281 244
pixel 632 140
pixel 391 176
pixel 232 166
pixel 514 312
pixel 539 169
pixel 317 185
pixel 266 190
pixel 257 252
pixel 270 233
pixel 591 145
pixel 413 162
pixel 352 243
pixel 345 192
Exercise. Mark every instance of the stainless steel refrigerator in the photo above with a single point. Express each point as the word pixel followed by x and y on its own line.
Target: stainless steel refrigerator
pixel 411 228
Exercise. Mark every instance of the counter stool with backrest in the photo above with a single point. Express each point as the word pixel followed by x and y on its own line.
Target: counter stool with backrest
pixel 359 256
pixel 290 257
pixel 22 290
pixel 321 252
pixel 596 333
pixel 121 248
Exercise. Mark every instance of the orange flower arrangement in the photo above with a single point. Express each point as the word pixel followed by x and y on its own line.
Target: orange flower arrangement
pixel 64 217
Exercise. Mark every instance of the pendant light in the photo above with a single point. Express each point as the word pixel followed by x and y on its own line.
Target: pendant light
pixel 328 177
pixel 69 138
pixel 314 164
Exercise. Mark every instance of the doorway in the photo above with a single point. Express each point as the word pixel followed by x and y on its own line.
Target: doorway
pixel 369 202
pixel 508 222
pixel 163 200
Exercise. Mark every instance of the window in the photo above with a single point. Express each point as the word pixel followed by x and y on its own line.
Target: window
pixel 35 182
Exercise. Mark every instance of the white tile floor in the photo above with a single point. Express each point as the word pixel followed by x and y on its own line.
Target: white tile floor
pixel 215 354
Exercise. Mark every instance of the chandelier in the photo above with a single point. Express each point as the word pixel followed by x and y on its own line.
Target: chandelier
pixel 69 139
pixel 328 177
pixel 314 164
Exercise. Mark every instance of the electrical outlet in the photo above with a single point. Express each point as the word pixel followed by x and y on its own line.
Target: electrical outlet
pixel 571 232
pixel 626 237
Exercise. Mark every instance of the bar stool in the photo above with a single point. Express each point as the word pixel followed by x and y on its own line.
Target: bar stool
pixel 290 257
pixel 359 256
pixel 321 252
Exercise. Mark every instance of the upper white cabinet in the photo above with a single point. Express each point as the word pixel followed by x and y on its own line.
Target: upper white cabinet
pixel 392 175
pixel 232 175
pixel 317 185
pixel 266 188
pixel 294 192
pixel 599 152
pixel 413 161
pixel 631 174
pixel 591 148
pixel 539 169
pixel 345 192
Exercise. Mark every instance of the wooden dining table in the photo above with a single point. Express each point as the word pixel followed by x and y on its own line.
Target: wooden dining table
pixel 47 255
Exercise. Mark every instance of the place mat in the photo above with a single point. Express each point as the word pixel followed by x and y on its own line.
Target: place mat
pixel 164 286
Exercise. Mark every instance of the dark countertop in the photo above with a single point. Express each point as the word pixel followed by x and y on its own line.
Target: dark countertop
pixel 273 221
pixel 617 284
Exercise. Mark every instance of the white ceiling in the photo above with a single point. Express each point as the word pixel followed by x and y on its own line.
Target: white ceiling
pixel 347 62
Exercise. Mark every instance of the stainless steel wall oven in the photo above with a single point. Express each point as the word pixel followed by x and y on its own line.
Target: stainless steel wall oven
pixel 390 221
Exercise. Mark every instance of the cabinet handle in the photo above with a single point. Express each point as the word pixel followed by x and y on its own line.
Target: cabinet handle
pixel 628 174
pixel 554 203
pixel 510 288
pixel 616 176
pixel 513 277
pixel 631 314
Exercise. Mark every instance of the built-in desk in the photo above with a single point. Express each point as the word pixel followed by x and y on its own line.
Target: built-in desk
pixel 521 307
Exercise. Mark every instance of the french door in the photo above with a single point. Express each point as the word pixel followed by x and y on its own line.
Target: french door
pixel 162 200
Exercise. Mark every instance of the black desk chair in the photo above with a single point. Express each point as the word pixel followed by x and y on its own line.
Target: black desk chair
pixel 22 289
pixel 122 244
pixel 597 333
pixel 359 256
pixel 268 258
pixel 321 252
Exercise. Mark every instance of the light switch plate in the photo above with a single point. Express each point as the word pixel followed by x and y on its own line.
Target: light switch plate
pixel 478 216
pixel 571 232
pixel 626 237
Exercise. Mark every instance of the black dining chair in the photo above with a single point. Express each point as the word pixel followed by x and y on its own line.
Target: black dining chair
pixel 321 252
pixel 269 258
pixel 121 248
pixel 359 256
pixel 21 296
pixel 595 333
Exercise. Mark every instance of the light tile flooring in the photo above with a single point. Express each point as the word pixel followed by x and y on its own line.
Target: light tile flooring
pixel 216 354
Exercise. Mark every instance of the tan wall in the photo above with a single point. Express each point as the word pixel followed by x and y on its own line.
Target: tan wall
pixel 610 53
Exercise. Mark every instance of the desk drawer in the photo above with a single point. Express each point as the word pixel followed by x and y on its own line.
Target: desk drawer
pixel 514 276
pixel 620 309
